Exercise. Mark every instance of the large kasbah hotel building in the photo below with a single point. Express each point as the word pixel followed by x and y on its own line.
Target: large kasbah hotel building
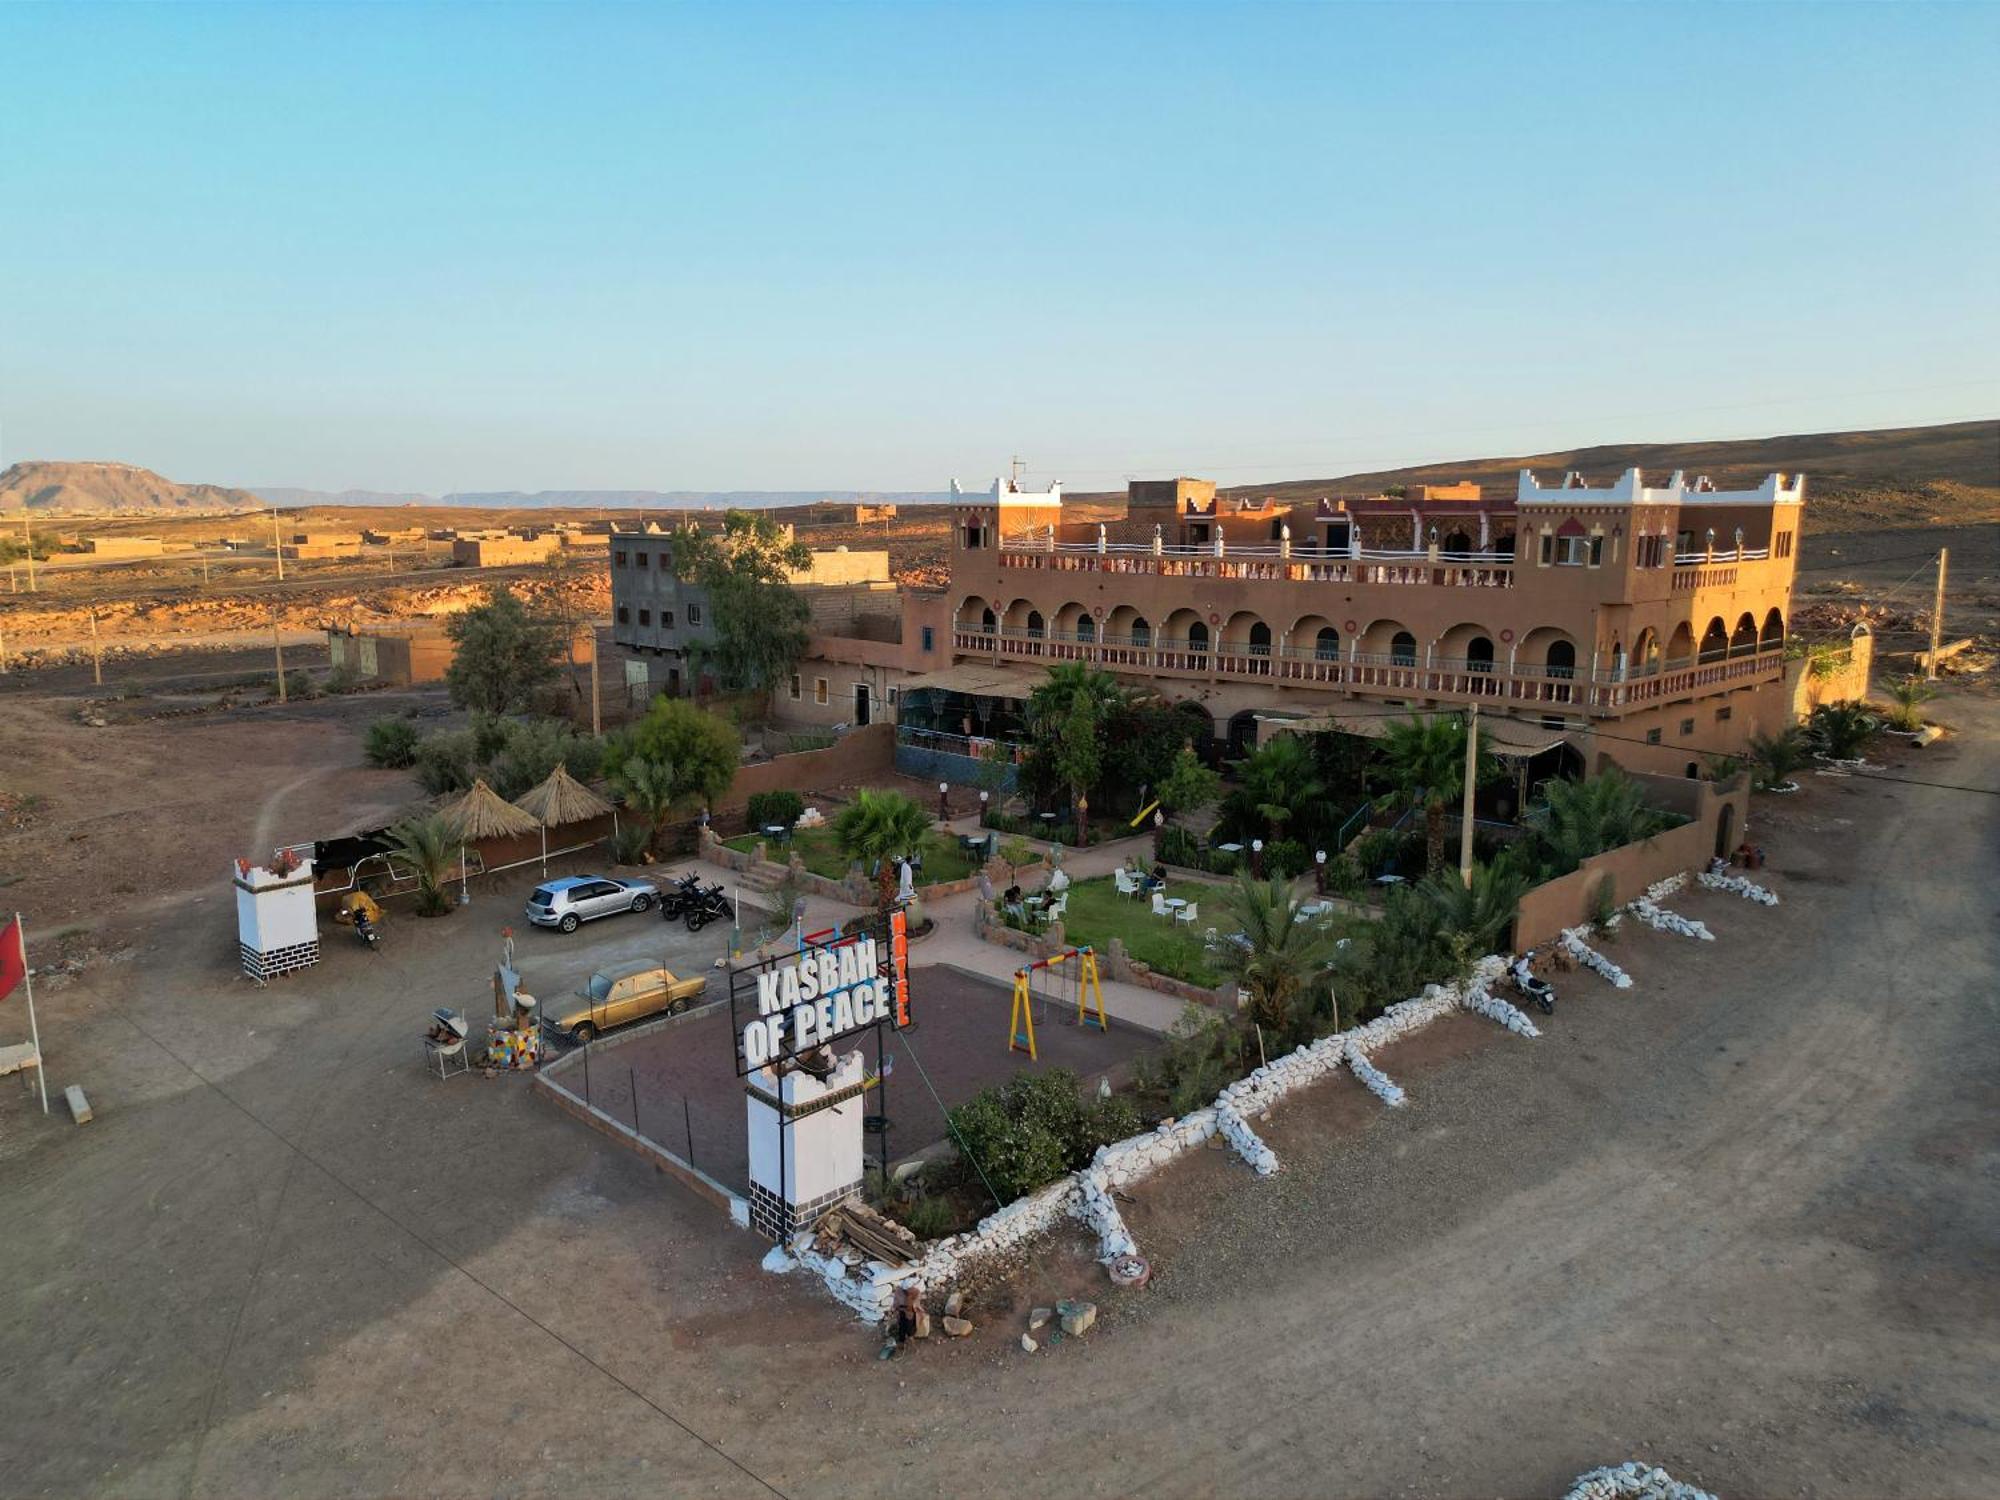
pixel 1629 623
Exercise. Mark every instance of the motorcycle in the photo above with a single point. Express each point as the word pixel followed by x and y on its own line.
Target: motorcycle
pixel 706 906
pixel 1538 990
pixel 676 897
pixel 365 929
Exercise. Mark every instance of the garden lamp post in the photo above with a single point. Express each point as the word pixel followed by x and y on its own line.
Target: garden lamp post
pixel 944 801
pixel 1319 871
pixel 1257 858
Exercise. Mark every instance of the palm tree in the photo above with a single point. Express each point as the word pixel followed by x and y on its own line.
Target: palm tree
pixel 882 827
pixel 1911 694
pixel 427 846
pixel 1480 915
pixel 1577 819
pixel 1067 716
pixel 1841 731
pixel 1280 959
pixel 647 786
pixel 1778 755
pixel 1277 785
pixel 1424 760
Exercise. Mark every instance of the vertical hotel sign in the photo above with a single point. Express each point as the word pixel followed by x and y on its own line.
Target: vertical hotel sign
pixel 821 995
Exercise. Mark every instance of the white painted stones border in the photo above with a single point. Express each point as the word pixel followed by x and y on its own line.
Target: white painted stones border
pixel 1633 1481
pixel 1749 890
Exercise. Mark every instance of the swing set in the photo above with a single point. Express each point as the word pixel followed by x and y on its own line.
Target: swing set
pixel 1070 974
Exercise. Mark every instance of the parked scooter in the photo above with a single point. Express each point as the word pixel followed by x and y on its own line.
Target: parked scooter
pixel 705 906
pixel 1538 990
pixel 677 896
pixel 366 929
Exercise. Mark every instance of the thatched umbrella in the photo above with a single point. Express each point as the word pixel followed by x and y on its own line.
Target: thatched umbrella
pixel 561 798
pixel 483 813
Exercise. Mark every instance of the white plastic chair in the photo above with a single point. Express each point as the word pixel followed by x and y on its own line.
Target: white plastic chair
pixel 1126 881
pixel 447 1058
pixel 1160 905
pixel 1057 907
pixel 1188 913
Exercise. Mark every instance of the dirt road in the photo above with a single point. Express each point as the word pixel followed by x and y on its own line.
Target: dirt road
pixel 1740 1220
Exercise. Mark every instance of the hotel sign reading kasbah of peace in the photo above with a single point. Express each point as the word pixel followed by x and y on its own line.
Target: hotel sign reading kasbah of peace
pixel 818 997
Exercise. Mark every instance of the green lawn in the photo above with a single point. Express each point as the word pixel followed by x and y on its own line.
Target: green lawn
pixel 1097 913
pixel 943 860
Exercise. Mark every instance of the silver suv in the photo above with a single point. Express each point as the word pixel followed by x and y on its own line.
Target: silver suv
pixel 575 899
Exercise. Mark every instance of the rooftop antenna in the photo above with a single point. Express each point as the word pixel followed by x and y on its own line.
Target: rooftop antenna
pixel 1014 467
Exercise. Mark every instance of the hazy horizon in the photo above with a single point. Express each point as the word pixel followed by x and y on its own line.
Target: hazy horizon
pixel 472 249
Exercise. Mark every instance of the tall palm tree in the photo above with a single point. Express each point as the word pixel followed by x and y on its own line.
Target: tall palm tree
pixel 427 846
pixel 1067 715
pixel 1424 760
pixel 1281 959
pixel 1279 785
pixel 881 826
pixel 648 786
pixel 1577 819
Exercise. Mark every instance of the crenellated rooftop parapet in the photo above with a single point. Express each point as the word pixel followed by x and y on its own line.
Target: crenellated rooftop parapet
pixel 1631 489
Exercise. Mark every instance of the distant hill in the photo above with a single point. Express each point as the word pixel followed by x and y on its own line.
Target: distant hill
pixel 57 487
pixel 600 499
pixel 1893 476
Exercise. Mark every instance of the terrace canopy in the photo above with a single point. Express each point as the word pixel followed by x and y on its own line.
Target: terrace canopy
pixel 483 814
pixel 981 700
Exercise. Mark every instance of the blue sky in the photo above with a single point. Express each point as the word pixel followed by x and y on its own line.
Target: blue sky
pixel 433 247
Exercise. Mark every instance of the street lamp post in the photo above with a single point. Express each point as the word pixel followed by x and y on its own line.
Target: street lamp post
pixel 1319 871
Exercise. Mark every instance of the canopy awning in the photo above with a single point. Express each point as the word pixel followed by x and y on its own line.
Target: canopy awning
pixel 1511 739
pixel 980 680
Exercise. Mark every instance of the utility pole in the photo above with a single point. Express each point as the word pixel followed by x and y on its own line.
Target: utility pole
pixel 596 708
pixel 278 645
pixel 1465 811
pixel 204 570
pixel 28 534
pixel 1937 614
pixel 96 653
pixel 277 547
pixel 3 650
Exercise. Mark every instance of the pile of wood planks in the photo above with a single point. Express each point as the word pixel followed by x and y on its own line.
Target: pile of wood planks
pixel 875 1236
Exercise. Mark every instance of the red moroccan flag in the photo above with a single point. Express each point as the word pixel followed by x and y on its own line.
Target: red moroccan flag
pixel 13 958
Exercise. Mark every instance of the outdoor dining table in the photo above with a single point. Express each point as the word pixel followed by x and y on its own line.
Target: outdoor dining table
pixel 1175 903
pixel 780 831
pixel 1230 848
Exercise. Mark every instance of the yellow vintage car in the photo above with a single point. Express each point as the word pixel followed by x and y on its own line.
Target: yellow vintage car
pixel 619 996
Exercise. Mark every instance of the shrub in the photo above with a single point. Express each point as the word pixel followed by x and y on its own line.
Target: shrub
pixel 342 679
pixel 1204 1054
pixel 299 684
pixel 1286 859
pixel 535 747
pixel 629 844
pixel 1841 731
pixel 1033 1128
pixel 929 1216
pixel 1911 694
pixel 490 733
pixel 767 808
pixel 1375 852
pixel 797 743
pixel 1174 845
pixel 445 761
pixel 391 744
pixel 1343 877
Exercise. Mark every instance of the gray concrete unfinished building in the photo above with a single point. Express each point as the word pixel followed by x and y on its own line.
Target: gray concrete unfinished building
pixel 660 618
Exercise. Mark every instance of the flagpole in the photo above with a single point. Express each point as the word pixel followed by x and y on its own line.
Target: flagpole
pixel 34 1031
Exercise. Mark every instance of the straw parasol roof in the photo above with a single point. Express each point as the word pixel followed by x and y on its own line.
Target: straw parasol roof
pixel 483 813
pixel 561 799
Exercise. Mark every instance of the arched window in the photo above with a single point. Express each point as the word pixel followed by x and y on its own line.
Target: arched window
pixel 1562 659
pixel 1458 545
pixel 987 624
pixel 1260 639
pixel 1403 649
pixel 1479 654
pixel 1774 631
pixel 1714 641
pixel 1142 633
pixel 1504 544
pixel 1326 646
pixel 1197 638
pixel 1035 627
pixel 1086 628
pixel 1744 640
